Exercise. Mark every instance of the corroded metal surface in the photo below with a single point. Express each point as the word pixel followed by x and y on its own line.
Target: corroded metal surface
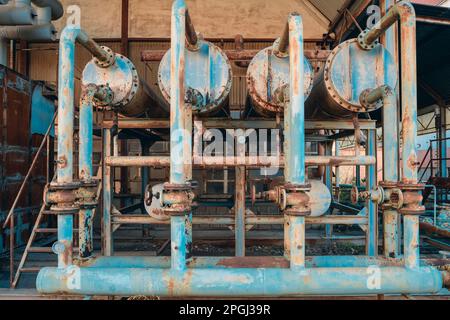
pixel 349 71
pixel 207 94
pixel 268 82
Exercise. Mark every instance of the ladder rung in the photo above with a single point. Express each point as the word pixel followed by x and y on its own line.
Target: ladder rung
pixel 47 230
pixel 40 250
pixel 30 270
pixel 49 212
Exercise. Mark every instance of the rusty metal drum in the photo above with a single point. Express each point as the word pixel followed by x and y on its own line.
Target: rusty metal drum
pixel 208 78
pixel 132 97
pixel 268 82
pixel 348 72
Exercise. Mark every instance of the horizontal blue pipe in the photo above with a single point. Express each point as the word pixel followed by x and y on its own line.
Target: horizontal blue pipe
pixel 238 282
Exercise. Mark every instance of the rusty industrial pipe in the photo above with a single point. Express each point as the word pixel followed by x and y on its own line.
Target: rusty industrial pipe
pixel 282 47
pixel 191 34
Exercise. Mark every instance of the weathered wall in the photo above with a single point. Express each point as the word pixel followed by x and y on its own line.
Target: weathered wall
pixel 213 18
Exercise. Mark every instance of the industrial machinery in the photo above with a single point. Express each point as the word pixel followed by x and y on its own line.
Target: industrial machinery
pixel 195 77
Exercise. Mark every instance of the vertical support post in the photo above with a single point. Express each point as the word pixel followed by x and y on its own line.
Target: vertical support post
pixel 239 207
pixel 85 171
pixel 180 136
pixel 107 237
pixel 294 118
pixel 371 174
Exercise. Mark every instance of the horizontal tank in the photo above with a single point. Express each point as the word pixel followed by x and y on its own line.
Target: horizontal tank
pixel 132 97
pixel 208 78
pixel 268 82
pixel 348 72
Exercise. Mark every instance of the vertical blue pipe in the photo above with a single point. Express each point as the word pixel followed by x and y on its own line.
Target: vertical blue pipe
pixel 180 135
pixel 85 170
pixel 390 170
pixel 372 244
pixel 295 136
pixel 66 93
pixel 411 241
pixel 179 242
pixel 409 93
pixel 295 113
pixel 107 239
pixel 391 149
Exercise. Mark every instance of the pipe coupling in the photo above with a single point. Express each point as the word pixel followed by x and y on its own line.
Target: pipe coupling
pixel 377 195
pixel 412 199
pixel 86 195
pixel 406 198
pixel 177 199
pixel 62 197
pixel 294 200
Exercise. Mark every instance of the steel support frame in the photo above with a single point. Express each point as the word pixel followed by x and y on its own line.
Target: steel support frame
pixel 177 278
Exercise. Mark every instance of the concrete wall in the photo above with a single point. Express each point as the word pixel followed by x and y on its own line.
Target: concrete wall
pixel 213 18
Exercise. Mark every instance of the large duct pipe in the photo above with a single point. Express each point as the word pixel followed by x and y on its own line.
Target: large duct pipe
pixel 268 78
pixel 348 72
pixel 17 13
pixel 42 30
pixel 57 10
pixel 133 97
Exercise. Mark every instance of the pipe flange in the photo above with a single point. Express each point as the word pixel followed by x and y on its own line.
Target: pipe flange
pixel 354 195
pixel 111 59
pixel 388 184
pixel 104 96
pixel 55 186
pixel 177 199
pixel 362 41
pixel 396 200
pixel 295 200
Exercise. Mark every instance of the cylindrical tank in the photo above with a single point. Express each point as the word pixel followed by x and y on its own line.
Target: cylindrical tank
pixel 348 72
pixel 268 82
pixel 132 96
pixel 208 78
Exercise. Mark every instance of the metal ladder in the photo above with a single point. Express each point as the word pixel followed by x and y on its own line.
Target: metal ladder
pixel 37 230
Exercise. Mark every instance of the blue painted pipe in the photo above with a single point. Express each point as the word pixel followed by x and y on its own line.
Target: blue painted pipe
pixel 66 97
pixel 239 282
pixel 180 136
